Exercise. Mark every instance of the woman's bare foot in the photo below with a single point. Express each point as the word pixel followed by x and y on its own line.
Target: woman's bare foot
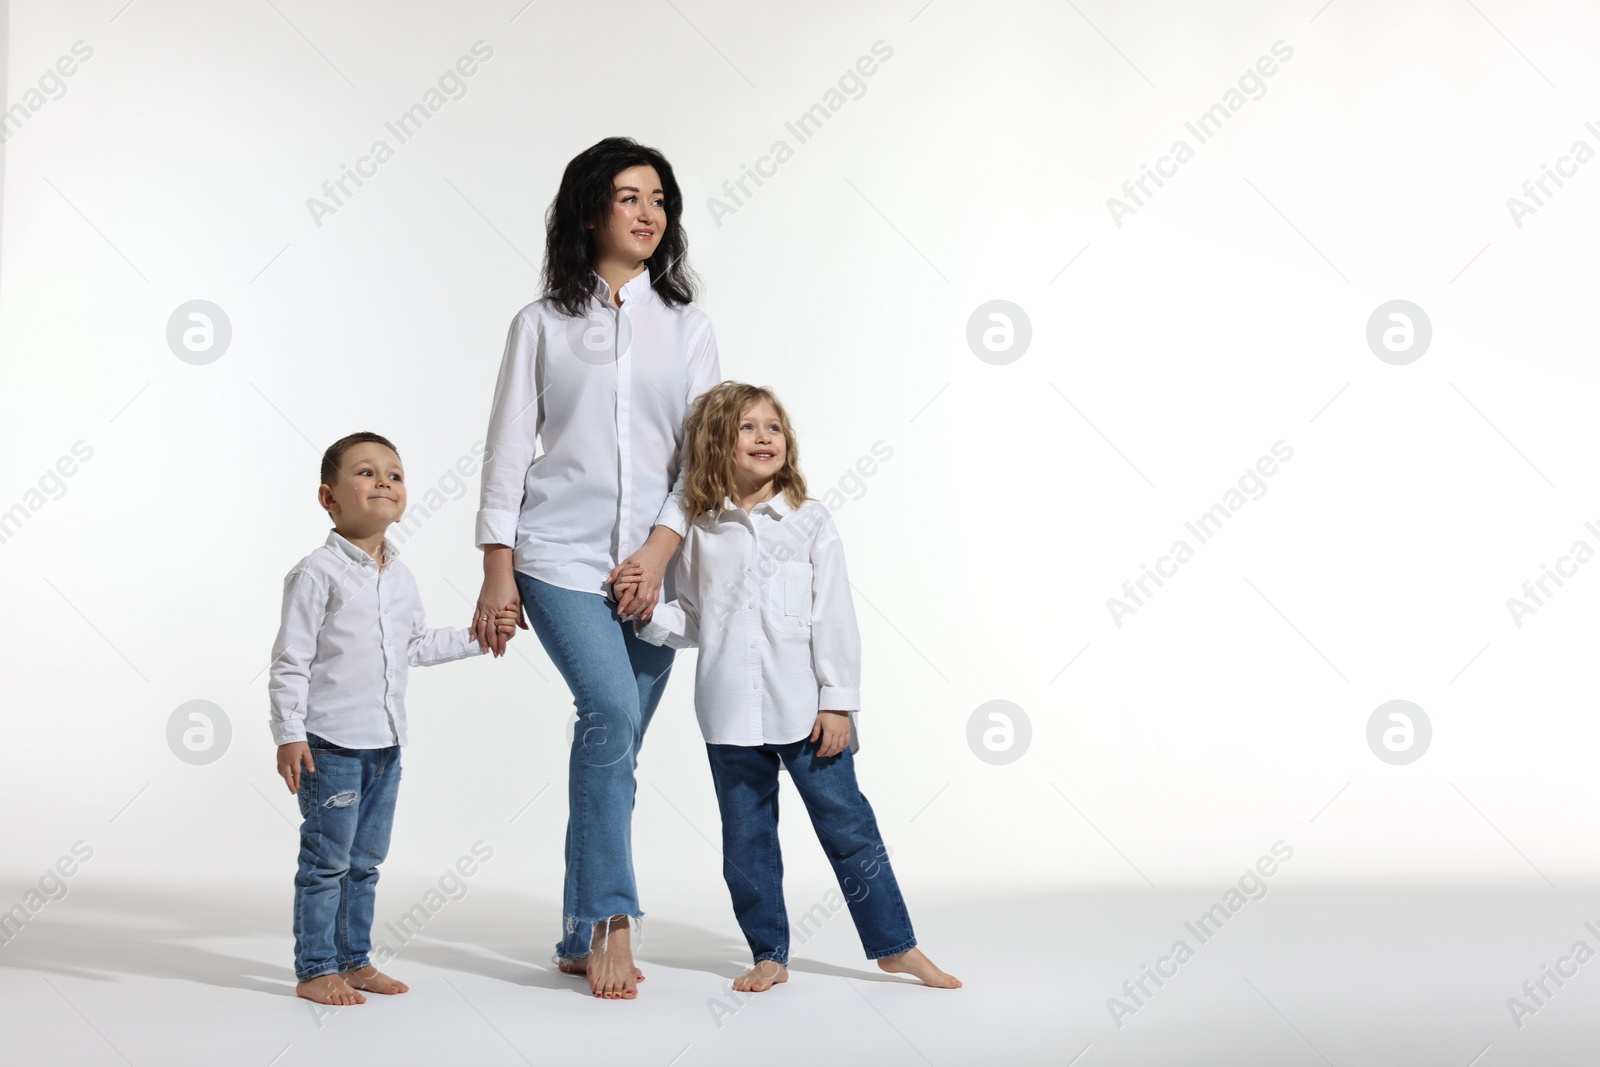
pixel 762 977
pixel 374 981
pixel 609 964
pixel 581 966
pixel 329 989
pixel 914 963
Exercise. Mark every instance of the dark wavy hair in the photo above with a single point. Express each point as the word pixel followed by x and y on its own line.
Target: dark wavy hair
pixel 585 197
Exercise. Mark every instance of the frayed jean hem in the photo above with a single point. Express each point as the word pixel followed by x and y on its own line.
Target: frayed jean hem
pixel 635 931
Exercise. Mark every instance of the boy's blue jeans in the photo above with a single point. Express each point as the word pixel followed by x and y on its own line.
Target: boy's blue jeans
pixel 746 780
pixel 616 681
pixel 348 805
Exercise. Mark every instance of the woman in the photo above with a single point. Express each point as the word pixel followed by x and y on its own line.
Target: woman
pixel 601 372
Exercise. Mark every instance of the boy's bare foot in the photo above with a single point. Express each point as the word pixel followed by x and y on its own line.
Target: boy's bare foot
pixel 374 981
pixel 918 966
pixel 329 989
pixel 762 977
pixel 609 964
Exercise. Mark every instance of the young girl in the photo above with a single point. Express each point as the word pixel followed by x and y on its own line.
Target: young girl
pixel 762 591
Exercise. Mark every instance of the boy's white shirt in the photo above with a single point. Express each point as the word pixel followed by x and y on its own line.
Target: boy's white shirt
pixel 765 597
pixel 347 636
pixel 610 421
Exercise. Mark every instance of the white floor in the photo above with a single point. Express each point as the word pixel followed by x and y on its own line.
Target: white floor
pixel 1332 975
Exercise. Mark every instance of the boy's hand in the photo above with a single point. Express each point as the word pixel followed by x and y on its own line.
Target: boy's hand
pixel 290 757
pixel 833 727
pixel 506 623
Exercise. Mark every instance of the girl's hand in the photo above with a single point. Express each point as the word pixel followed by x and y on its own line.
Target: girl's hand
pixel 637 582
pixel 290 759
pixel 833 727
pixel 626 584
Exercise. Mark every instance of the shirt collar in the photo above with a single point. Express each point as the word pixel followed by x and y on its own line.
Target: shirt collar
pixel 339 544
pixel 778 505
pixel 632 289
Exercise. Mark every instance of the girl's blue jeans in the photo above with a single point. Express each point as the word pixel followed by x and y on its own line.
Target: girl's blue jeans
pixel 746 780
pixel 348 809
pixel 616 681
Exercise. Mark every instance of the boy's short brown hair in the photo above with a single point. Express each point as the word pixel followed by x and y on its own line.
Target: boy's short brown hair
pixel 334 456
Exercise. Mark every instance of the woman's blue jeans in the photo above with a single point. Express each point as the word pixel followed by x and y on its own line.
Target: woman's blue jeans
pixel 746 778
pixel 348 809
pixel 616 681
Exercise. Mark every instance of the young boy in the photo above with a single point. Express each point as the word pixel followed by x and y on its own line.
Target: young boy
pixel 352 623
pixel 762 591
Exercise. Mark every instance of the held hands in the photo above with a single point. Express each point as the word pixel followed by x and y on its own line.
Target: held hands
pixel 506 621
pixel 496 600
pixel 493 629
pixel 635 587
pixel 628 578
pixel 833 728
pixel 290 758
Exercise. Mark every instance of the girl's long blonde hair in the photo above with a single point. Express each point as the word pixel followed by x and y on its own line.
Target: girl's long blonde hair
pixel 712 435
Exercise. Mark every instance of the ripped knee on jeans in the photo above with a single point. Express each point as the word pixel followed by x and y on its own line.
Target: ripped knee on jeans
pixel 341 800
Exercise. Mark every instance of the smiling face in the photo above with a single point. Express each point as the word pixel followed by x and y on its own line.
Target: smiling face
pixel 637 219
pixel 761 448
pixel 370 493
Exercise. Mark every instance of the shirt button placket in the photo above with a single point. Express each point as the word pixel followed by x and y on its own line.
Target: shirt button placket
pixel 388 653
pixel 753 618
pixel 624 372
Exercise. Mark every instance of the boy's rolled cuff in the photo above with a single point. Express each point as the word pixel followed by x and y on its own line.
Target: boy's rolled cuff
pixel 287 733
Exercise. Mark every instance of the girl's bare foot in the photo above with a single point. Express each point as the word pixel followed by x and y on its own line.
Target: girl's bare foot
pixel 374 981
pixel 329 989
pixel 762 977
pixel 609 964
pixel 918 966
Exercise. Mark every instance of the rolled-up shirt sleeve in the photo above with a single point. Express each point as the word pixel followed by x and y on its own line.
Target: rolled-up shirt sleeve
pixel 515 420
pixel 835 639
pixel 676 623
pixel 305 605
pixel 705 370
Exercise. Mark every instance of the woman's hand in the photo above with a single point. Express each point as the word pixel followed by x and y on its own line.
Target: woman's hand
pixel 638 593
pixel 499 594
pixel 626 583
pixel 637 582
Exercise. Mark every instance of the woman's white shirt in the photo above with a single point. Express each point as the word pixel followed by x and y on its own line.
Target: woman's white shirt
pixel 606 397
pixel 765 596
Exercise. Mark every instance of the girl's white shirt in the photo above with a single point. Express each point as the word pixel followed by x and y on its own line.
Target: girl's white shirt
pixel 606 397
pixel 765 596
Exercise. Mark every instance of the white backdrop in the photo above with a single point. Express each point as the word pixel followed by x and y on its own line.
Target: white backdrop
pixel 1172 342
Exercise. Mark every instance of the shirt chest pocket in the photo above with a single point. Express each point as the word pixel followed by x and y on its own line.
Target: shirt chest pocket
pixel 791 600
